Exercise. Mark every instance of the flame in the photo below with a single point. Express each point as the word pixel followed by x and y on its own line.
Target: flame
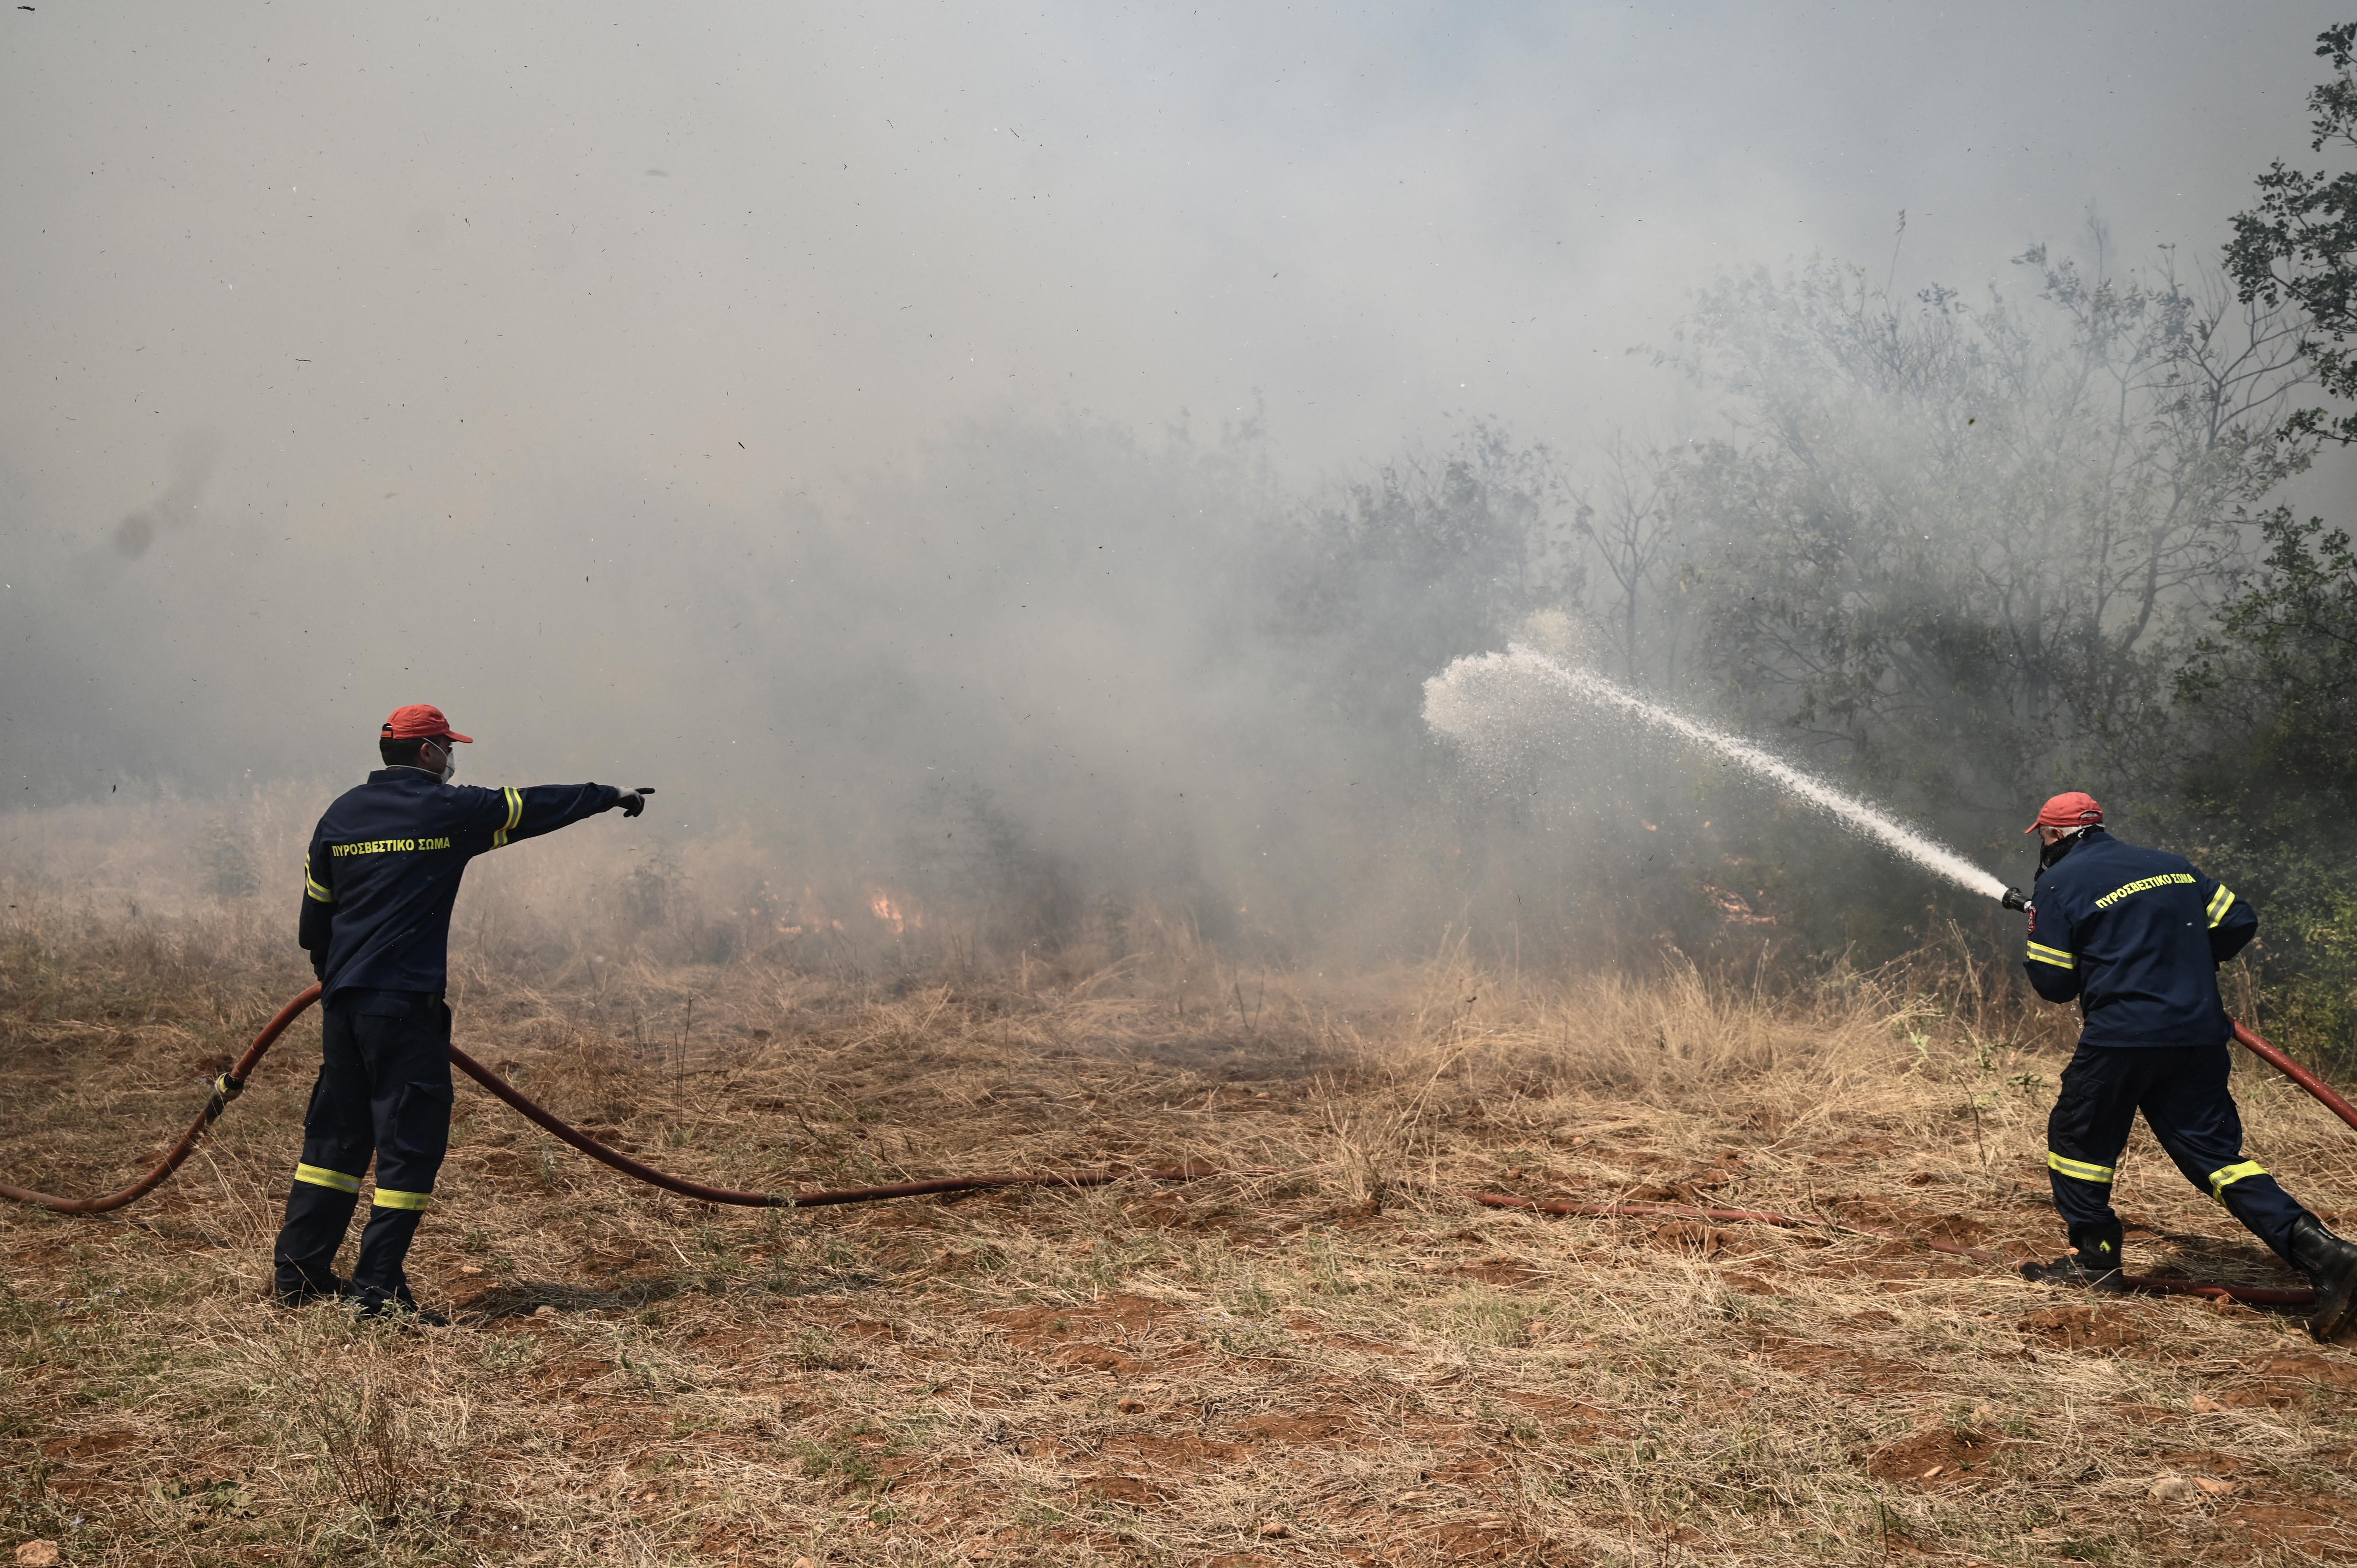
pixel 1736 910
pixel 885 909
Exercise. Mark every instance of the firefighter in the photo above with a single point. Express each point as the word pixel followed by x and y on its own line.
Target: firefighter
pixel 377 884
pixel 2136 936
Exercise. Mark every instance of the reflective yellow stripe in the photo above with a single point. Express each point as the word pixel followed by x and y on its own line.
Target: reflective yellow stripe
pixel 386 1197
pixel 2222 902
pixel 311 888
pixel 319 1176
pixel 2220 1180
pixel 515 815
pixel 2055 956
pixel 2079 1170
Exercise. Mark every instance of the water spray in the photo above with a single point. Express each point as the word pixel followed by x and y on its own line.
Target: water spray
pixel 1489 700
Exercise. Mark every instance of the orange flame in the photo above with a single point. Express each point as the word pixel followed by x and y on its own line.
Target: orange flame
pixel 885 909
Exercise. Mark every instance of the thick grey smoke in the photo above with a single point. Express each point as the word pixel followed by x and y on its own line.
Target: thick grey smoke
pixel 790 409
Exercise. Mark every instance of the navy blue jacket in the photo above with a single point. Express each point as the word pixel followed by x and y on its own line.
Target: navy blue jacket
pixel 2136 935
pixel 385 862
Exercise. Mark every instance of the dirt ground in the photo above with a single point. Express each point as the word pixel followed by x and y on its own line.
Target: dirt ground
pixel 1337 1358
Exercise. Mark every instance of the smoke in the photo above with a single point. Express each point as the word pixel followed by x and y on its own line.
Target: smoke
pixel 193 456
pixel 790 411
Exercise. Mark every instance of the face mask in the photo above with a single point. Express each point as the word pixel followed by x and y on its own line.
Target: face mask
pixel 449 763
pixel 2048 853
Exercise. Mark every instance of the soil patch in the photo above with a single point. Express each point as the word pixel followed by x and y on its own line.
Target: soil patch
pixel 1942 1459
pixel 2091 1327
pixel 1037 1328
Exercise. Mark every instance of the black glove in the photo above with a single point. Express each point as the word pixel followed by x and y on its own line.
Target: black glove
pixel 632 801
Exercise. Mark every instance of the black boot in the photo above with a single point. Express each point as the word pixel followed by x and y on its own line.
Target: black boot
pixel 2094 1263
pixel 2330 1263
pixel 305 1257
pixel 399 1308
pixel 379 1278
pixel 334 1287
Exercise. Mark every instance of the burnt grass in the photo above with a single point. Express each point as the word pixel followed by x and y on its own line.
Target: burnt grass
pixel 1334 1358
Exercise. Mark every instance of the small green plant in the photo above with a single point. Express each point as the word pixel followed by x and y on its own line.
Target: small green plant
pixel 510 1353
pixel 1486 1317
pixel 844 1463
pixel 815 1351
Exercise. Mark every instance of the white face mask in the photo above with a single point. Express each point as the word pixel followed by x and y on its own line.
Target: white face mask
pixel 450 762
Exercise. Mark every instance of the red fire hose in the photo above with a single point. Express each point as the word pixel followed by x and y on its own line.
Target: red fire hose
pixel 2298 1074
pixel 226 1088
pixel 230 1084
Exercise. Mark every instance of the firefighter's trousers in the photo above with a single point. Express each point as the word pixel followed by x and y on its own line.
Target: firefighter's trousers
pixel 383 1092
pixel 2181 1089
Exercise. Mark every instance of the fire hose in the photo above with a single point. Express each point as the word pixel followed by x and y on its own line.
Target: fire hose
pixel 230 1084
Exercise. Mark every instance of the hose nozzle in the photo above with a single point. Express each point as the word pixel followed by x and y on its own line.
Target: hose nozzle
pixel 2014 898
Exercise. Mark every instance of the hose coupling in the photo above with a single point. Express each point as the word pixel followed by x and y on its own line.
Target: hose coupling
pixel 225 1088
pixel 2014 898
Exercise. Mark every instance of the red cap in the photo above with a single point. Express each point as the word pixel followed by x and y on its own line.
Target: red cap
pixel 420 721
pixel 2074 810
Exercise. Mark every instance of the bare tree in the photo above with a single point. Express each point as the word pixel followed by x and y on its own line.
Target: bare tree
pixel 1628 518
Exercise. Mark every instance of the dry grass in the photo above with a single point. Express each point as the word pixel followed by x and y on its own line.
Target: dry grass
pixel 1343 1362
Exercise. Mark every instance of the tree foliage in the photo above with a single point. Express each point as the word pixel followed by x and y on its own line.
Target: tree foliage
pixel 2268 702
pixel 2299 245
pixel 2281 674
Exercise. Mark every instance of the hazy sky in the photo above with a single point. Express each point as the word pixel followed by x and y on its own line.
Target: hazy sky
pixel 390 328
